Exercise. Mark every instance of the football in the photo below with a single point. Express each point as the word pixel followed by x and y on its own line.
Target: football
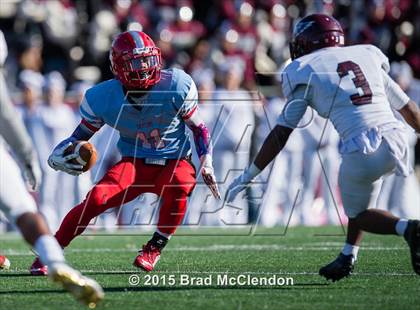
pixel 86 154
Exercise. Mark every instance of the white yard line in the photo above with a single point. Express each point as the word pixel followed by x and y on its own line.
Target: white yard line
pixel 303 273
pixel 211 248
pixel 268 273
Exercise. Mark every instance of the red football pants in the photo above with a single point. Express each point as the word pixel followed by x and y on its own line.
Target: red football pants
pixel 125 181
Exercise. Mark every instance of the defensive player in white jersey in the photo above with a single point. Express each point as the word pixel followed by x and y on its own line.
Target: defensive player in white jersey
pixel 350 86
pixel 20 207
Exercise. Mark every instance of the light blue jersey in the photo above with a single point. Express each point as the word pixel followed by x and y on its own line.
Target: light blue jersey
pixel 151 126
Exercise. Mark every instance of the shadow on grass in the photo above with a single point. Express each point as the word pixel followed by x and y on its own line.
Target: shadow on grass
pixel 188 288
pixel 32 291
pixel 18 275
pixel 120 289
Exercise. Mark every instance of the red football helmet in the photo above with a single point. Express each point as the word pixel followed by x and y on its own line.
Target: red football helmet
pixel 135 60
pixel 314 32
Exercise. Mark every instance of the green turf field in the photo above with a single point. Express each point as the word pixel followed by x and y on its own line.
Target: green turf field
pixel 383 278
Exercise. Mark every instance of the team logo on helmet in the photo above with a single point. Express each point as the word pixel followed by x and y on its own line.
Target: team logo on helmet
pixel 314 32
pixel 301 27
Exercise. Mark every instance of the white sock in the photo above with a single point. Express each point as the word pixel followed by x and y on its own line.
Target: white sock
pixel 350 249
pixel 401 226
pixel 49 250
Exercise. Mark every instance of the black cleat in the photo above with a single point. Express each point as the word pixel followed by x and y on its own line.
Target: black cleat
pixel 341 267
pixel 412 236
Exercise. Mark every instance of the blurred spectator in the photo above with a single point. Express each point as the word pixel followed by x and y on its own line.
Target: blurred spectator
pixel 31 84
pixel 403 75
pixel 77 91
pixel 164 11
pixel 58 122
pixel 30 57
pixel 101 30
pixel 200 58
pixel 60 24
pixel 130 14
pixel 279 202
pixel 377 30
pixel 57 21
pixel 185 31
pixel 245 27
pixel 272 31
pixel 204 208
pixel 232 137
pixel 320 173
pixel 3 48
pixel 229 53
pixel 83 183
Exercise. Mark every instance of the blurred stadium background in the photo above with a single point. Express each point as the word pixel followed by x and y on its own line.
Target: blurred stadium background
pixel 58 49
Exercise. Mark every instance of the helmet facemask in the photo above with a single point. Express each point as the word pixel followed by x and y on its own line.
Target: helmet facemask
pixel 139 69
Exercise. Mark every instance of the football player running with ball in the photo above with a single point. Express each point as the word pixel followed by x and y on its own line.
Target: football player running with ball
pixel 150 108
pixel 20 207
pixel 350 86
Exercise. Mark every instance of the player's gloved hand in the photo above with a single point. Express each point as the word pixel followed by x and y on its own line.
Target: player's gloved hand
pixel 207 172
pixel 241 182
pixel 58 161
pixel 32 173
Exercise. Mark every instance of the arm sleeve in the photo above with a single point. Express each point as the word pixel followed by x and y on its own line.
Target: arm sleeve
pixel 295 108
pixel 396 96
pixel 201 134
pixel 12 128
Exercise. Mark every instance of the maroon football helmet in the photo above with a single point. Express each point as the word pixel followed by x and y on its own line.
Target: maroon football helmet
pixel 314 32
pixel 135 60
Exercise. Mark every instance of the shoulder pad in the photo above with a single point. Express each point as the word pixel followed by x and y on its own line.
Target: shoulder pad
pixel 379 55
pixel 295 74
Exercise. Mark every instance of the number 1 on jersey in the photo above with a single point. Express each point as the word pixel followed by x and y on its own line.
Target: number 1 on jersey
pixel 153 141
pixel 359 80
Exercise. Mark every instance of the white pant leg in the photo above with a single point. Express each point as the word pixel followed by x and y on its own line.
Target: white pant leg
pixel 386 192
pixel 360 178
pixel 14 197
pixel 405 197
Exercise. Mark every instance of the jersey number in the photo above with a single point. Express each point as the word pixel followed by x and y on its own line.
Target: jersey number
pixel 153 141
pixel 359 81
